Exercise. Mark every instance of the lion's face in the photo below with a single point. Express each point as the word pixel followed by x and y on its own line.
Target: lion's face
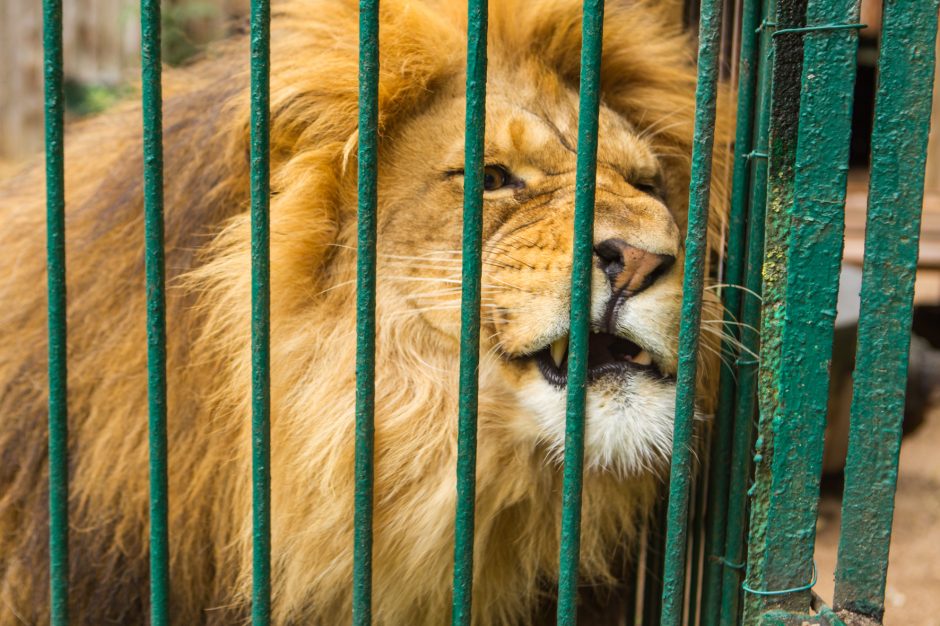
pixel 531 139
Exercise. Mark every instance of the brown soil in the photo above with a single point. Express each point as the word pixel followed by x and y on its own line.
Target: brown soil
pixel 912 597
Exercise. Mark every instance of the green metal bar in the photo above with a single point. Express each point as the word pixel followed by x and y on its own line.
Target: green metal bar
pixel 365 308
pixel 55 259
pixel 899 151
pixel 786 72
pixel 813 261
pixel 728 612
pixel 260 312
pixel 470 310
pixel 719 474
pixel 695 249
pixel 592 29
pixel 156 308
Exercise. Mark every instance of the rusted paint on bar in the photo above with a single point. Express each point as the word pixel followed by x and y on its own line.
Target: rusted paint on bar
pixel 895 198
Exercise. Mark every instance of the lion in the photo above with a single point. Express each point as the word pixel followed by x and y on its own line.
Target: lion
pixel 646 123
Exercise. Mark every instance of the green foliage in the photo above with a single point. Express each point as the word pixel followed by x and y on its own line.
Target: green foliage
pixel 184 30
pixel 87 99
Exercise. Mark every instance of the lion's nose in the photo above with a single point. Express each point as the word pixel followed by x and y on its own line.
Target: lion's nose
pixel 630 269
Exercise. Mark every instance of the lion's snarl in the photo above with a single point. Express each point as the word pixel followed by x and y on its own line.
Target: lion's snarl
pixel 645 139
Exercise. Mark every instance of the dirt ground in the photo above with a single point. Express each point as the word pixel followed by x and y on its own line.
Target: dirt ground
pixel 912 597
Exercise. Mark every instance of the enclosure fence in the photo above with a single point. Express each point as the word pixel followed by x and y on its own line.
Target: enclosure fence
pixel 738 541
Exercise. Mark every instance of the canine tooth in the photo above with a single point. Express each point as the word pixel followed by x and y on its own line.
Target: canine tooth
pixel 643 358
pixel 558 349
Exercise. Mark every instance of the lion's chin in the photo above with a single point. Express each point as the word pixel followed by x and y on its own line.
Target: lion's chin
pixel 629 420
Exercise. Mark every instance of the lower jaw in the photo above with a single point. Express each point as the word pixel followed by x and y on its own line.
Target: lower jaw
pixel 559 377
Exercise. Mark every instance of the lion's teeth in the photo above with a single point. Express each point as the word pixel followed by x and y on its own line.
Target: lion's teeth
pixel 643 358
pixel 558 349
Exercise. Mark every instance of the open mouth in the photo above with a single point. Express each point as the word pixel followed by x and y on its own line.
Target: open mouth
pixel 607 355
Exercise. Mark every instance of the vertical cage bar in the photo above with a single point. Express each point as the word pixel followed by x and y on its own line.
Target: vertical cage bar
pixel 365 308
pixel 470 309
pixel 695 249
pixel 592 30
pixel 55 260
pixel 786 52
pixel 719 471
pixel 156 307
pixel 750 310
pixel 814 251
pixel 260 313
pixel 896 194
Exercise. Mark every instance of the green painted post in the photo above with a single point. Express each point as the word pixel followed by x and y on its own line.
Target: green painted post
pixel 592 30
pixel 719 476
pixel 695 248
pixel 55 260
pixel 260 313
pixel 895 198
pixel 470 309
pixel 365 308
pixel 156 308
pixel 814 250
pixel 775 200
pixel 745 400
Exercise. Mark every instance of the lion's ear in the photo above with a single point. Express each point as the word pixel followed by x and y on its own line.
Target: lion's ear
pixel 306 216
pixel 315 71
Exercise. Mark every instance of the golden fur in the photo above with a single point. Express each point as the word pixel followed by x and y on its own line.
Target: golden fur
pixel 646 127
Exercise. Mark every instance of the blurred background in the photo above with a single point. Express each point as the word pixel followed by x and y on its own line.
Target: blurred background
pixel 101 51
pixel 101 42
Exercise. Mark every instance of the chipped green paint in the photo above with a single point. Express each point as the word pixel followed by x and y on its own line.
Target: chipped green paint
pixel 899 148
pixel 814 246
pixel 786 70
pixel 470 310
pixel 592 30
pixel 695 248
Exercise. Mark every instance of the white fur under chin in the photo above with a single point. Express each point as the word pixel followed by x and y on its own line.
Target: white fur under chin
pixel 629 422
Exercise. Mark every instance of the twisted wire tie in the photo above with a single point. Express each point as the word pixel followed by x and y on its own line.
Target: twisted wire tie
pixel 819 27
pixel 765 24
pixel 727 563
pixel 781 592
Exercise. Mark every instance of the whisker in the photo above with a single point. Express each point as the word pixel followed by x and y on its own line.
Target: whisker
pixel 730 286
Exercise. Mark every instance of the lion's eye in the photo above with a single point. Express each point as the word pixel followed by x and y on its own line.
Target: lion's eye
pixel 649 188
pixel 495 177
